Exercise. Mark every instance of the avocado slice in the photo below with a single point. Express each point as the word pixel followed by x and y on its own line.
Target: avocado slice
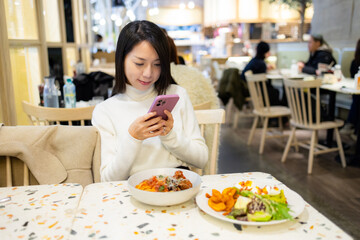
pixel 259 217
pixel 241 203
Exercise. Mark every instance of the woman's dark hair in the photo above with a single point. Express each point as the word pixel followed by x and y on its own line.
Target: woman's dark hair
pixel 173 51
pixel 357 53
pixel 132 34
pixel 261 49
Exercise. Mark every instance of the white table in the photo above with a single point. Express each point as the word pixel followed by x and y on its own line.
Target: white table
pixel 38 211
pixel 108 211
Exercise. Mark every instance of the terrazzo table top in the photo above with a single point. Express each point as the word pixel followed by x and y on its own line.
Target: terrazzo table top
pixel 107 211
pixel 38 211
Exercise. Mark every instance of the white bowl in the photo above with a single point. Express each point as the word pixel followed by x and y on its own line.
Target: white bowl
pixel 163 198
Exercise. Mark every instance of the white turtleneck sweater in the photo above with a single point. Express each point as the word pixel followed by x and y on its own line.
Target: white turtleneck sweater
pixel 122 155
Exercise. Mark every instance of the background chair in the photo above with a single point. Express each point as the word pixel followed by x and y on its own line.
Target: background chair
pixel 262 109
pixel 203 106
pixel 53 116
pixel 209 119
pixel 301 105
pixel 54 154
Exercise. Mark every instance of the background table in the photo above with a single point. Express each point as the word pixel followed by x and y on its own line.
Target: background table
pixel 38 211
pixel 108 211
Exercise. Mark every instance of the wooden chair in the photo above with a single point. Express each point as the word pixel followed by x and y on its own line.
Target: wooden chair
pixel 54 154
pixel 207 119
pixel 262 109
pixel 245 112
pixel 203 106
pixel 300 102
pixel 53 116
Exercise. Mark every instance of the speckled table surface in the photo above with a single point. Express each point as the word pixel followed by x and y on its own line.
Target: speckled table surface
pixel 38 211
pixel 107 211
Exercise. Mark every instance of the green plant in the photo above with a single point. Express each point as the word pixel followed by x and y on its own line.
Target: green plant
pixel 298 5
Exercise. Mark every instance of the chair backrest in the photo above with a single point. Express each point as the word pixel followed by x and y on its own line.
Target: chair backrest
pixel 258 91
pixel 53 116
pixel 31 155
pixel 301 103
pixel 203 106
pixel 209 122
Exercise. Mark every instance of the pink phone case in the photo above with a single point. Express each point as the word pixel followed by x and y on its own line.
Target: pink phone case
pixel 164 102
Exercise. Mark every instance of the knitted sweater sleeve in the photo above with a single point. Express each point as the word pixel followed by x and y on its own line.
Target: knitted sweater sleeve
pixel 118 151
pixel 187 144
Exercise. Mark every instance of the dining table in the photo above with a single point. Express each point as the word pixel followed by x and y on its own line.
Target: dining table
pixel 38 211
pixel 108 211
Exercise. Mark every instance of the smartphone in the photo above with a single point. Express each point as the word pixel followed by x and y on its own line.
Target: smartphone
pixel 162 103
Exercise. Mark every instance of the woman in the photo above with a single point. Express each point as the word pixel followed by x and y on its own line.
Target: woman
pixel 258 65
pixel 132 139
pixel 352 123
pixel 320 52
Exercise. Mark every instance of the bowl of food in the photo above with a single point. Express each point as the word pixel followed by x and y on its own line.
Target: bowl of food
pixel 164 186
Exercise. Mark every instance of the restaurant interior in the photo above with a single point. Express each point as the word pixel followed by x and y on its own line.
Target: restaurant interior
pixel 283 127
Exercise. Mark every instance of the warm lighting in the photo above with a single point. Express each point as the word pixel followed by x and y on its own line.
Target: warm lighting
pixel 191 4
pixel 248 9
pixel 144 3
pixel 97 16
pixel 182 6
pixel 102 22
pixel 113 17
pixel 118 22
pixel 131 15
pixel 95 28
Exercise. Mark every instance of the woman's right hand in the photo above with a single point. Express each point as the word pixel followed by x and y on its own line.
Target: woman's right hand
pixel 146 126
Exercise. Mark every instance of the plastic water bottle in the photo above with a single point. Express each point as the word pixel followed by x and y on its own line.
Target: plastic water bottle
pixel 50 93
pixel 294 67
pixel 69 93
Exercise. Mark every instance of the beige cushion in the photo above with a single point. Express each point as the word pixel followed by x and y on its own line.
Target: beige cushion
pixel 54 154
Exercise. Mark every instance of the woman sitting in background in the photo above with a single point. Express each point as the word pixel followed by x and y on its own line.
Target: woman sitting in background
pixel 320 52
pixel 353 120
pixel 132 139
pixel 258 65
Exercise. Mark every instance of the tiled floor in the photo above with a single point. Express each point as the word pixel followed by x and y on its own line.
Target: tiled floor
pixel 331 189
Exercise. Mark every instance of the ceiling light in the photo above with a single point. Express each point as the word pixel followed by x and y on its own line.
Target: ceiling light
pixel 97 16
pixel 144 3
pixel 113 17
pixel 118 22
pixel 182 6
pixel 102 22
pixel 191 4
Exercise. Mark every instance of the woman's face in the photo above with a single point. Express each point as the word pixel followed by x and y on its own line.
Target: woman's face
pixel 142 66
pixel 313 45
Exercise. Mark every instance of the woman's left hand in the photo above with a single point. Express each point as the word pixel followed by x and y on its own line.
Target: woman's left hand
pixel 169 123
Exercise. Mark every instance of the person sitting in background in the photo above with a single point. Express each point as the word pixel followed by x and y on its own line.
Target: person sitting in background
pixel 133 140
pixel 320 53
pixel 353 119
pixel 258 65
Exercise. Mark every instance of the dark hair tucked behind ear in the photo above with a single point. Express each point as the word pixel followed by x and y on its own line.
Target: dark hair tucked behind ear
pixel 132 34
pixel 261 49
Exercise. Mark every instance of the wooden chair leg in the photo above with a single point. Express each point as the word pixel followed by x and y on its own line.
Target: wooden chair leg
pixel 236 119
pixel 281 128
pixel 26 175
pixel 296 144
pixel 341 150
pixel 8 172
pixel 311 152
pixel 263 135
pixel 288 145
pixel 253 130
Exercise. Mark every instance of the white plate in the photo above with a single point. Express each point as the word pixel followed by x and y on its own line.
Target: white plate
pixel 295 202
pixel 163 198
